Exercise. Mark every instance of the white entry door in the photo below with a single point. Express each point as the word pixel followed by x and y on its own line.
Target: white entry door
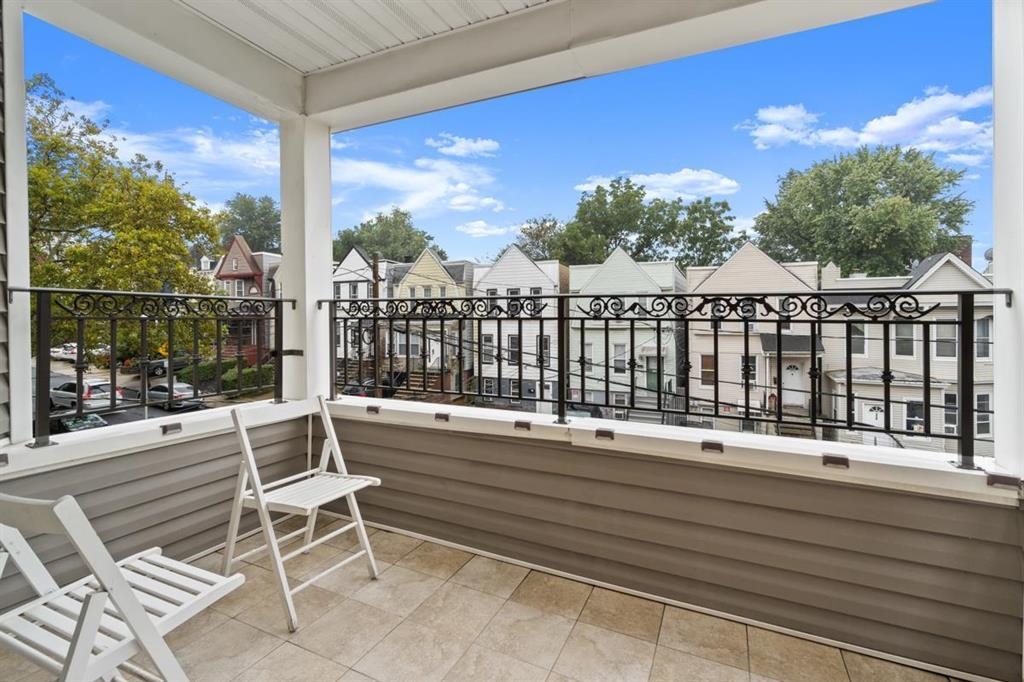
pixel 793 389
pixel 872 415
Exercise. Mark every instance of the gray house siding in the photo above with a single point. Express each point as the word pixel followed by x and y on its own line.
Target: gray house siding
pixel 5 385
pixel 931 579
pixel 177 497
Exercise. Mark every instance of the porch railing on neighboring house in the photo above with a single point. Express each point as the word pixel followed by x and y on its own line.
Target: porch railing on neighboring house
pixel 885 367
pixel 131 351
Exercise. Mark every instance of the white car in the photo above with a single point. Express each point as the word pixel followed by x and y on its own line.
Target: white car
pixel 95 395
pixel 67 352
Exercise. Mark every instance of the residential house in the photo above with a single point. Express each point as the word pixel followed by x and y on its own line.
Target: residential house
pixel 517 363
pixel 619 362
pixel 353 279
pixel 243 273
pixel 907 349
pixel 734 359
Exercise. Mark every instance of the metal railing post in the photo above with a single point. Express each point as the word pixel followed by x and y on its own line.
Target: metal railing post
pixel 965 379
pixel 44 323
pixel 279 352
pixel 563 357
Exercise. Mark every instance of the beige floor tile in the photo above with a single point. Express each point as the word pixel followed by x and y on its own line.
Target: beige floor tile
pixel 483 664
pixel 865 669
pixel 457 611
pixel 258 587
pixel 593 654
pixel 550 593
pixel 14 667
pixel 717 639
pixel 347 579
pixel 289 663
pixel 558 677
pixel 391 547
pixel 412 652
pixel 269 615
pixel 195 627
pixel 347 540
pixel 346 632
pixel 491 576
pixel 210 562
pixel 398 590
pixel 671 666
pixel 794 660
pixel 526 633
pixel 302 564
pixel 436 560
pixel 623 613
pixel 356 676
pixel 223 653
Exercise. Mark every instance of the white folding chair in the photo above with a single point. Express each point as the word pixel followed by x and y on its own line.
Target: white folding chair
pixel 90 628
pixel 301 494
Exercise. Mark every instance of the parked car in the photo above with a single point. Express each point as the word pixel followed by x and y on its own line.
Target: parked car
pixel 367 388
pixel 72 423
pixel 158 368
pixel 182 400
pixel 95 395
pixel 68 352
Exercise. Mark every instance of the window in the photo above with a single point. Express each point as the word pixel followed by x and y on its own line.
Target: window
pixel 588 358
pixel 354 337
pixel 544 351
pixel 489 386
pixel 903 340
pixel 337 290
pixel 707 370
pixel 859 339
pixel 492 292
pixel 619 399
pixel 535 291
pixel 409 344
pixel 234 264
pixel 428 292
pixel 945 340
pixel 785 324
pixel 915 416
pixel 412 292
pixel 983 415
pixel 950 413
pixel 353 290
pixel 512 292
pixel 983 338
pixel 588 396
pixel 239 287
pixel 487 348
pixel 702 420
pixel 513 349
pixel 619 358
pixel 513 388
pixel 443 291
pixel 748 367
pixel 574 395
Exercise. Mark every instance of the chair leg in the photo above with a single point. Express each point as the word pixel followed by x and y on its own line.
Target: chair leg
pixel 84 637
pixel 275 563
pixel 353 508
pixel 233 521
pixel 310 527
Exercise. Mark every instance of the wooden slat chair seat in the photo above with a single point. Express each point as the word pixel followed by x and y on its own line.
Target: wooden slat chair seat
pixel 301 494
pixel 90 628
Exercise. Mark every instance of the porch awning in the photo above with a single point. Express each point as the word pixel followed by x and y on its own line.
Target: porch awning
pixel 791 343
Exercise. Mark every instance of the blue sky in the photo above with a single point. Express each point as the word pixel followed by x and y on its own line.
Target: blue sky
pixel 727 123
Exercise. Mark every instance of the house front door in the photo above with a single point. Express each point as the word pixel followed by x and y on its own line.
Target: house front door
pixel 872 415
pixel 652 373
pixel 793 390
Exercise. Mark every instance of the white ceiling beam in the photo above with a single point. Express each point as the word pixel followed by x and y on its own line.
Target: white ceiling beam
pixel 173 40
pixel 557 42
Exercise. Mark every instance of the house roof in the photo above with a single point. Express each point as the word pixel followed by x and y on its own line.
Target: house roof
pixel 242 247
pixel 873 375
pixel 791 343
pixel 923 270
pixel 749 250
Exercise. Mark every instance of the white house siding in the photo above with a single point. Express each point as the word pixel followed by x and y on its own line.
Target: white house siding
pixel 511 272
pixel 353 278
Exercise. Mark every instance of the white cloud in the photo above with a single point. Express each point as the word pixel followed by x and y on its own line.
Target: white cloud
pixel 685 183
pixel 95 110
pixel 463 147
pixel 744 224
pixel 425 186
pixel 482 228
pixel 338 144
pixel 930 123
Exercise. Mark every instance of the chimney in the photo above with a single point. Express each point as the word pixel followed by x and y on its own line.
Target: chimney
pixel 966 248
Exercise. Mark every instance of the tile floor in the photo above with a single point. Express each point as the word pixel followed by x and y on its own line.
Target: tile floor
pixel 437 613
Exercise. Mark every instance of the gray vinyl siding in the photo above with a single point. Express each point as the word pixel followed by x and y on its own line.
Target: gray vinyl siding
pixel 928 578
pixel 177 497
pixel 5 384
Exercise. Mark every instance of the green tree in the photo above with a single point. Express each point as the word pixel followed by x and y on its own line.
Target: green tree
pixel 258 219
pixel 538 237
pixel 873 210
pixel 390 234
pixel 698 233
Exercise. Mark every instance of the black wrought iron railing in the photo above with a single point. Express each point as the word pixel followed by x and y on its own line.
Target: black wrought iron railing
pixel 897 368
pixel 128 352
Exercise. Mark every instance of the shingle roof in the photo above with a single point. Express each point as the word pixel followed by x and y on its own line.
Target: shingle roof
pixel 873 375
pixel 791 343
pixel 922 268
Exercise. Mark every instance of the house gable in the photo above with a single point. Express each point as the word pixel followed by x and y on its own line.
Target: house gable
pixel 949 273
pixel 353 266
pixel 238 262
pixel 620 274
pixel 514 269
pixel 748 270
pixel 427 270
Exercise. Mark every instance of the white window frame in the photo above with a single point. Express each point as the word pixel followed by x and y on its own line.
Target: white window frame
pixel 442 291
pixel 428 291
pixel 412 291
pixel 234 265
pixel 513 291
pixel 950 427
pixel 513 355
pixel 588 397
pixel 620 399
pixel 937 339
pixel 239 287
pixel 863 337
pixel 980 418
pixel 711 370
pixel 895 340
pixel 487 349
pixel 543 349
pixel 353 290
pixel 618 358
pixel 907 402
pixel 488 382
pixel 513 390
pixel 574 394
pixel 987 343
pixel 492 292
pixel 588 358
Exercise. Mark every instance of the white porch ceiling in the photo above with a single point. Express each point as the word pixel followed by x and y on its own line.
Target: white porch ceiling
pixel 352 63
pixel 312 35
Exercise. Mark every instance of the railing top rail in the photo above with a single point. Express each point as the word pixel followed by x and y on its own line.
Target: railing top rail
pixel 148 294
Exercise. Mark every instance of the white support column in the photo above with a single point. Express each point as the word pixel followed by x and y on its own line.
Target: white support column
pixel 19 324
pixel 305 272
pixel 1008 230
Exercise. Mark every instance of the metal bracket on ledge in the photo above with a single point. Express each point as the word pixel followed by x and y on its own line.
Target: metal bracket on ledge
pixel 1003 480
pixel 712 446
pixel 604 434
pixel 373 409
pixel 442 417
pixel 835 461
pixel 522 425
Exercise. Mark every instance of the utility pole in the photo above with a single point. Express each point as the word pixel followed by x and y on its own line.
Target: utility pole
pixel 378 390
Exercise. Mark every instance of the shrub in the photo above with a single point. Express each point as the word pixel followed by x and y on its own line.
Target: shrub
pixel 251 377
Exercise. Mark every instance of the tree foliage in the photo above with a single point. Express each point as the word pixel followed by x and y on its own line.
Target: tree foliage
pixel 392 235
pixel 96 221
pixel 873 210
pixel 258 219
pixel 621 214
